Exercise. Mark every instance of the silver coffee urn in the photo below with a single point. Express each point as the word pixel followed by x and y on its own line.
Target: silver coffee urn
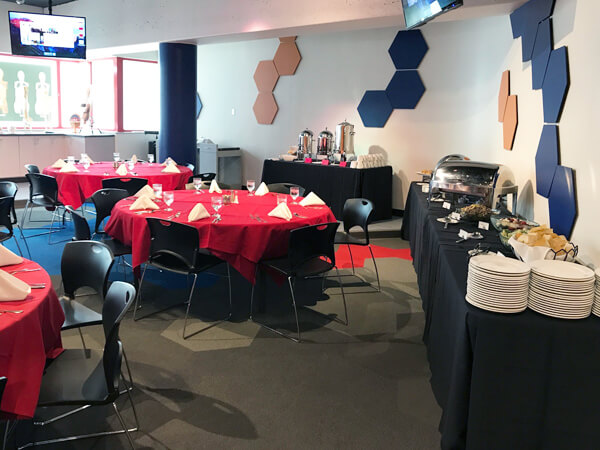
pixel 324 144
pixel 305 140
pixel 344 139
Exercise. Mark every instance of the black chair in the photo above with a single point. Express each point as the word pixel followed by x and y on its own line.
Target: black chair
pixel 6 221
pixel 284 188
pixel 92 378
pixel 104 200
pixel 43 191
pixel 207 176
pixel 32 168
pixel 176 247
pixel 9 189
pixel 357 213
pixel 310 253
pixel 6 430
pixel 130 184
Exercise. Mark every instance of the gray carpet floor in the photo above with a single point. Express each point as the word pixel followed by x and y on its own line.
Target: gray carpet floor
pixel 239 386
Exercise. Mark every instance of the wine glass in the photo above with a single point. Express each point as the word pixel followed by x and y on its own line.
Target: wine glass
pixel 71 159
pixel 116 157
pixel 250 185
pixel 198 184
pixel 281 198
pixel 216 202
pixel 294 192
pixel 151 158
pixel 130 166
pixel 168 198
pixel 157 187
pixel 86 164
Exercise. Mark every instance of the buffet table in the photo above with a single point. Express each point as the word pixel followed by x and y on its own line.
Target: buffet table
pixel 335 184
pixel 504 381
pixel 75 187
pixel 26 340
pixel 239 238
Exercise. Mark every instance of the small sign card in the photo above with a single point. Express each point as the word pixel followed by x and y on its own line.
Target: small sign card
pixel 455 216
pixel 343 163
pixel 325 162
pixel 483 225
pixel 446 205
pixel 425 188
pixel 308 160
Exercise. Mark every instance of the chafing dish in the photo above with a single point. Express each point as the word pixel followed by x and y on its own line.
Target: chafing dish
pixel 474 181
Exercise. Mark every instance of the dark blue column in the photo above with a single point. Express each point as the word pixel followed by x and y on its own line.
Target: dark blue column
pixel 177 136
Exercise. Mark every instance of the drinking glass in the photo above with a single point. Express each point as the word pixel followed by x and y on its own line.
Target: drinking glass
pixel 216 202
pixel 116 157
pixel 157 189
pixel 151 159
pixel 86 164
pixel 168 198
pixel 130 166
pixel 294 192
pixel 71 159
pixel 250 185
pixel 198 184
pixel 281 198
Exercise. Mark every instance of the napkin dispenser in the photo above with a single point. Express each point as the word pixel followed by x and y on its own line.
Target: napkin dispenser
pixel 486 183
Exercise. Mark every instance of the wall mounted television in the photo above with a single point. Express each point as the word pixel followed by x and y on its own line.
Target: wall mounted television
pixel 419 12
pixel 47 35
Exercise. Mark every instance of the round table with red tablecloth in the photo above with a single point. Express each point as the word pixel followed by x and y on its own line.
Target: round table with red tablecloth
pixel 27 339
pixel 75 187
pixel 239 238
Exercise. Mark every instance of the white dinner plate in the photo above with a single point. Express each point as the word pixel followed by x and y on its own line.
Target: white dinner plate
pixel 562 270
pixel 495 309
pixel 499 264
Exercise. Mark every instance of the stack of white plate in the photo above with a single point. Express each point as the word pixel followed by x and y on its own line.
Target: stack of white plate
pixel 561 289
pixel 596 306
pixel 498 284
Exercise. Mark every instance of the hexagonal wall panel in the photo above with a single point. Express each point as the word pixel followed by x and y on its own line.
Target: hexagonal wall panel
pixel 546 160
pixel 265 108
pixel 375 109
pixel 529 15
pixel 287 57
pixel 288 39
pixel 541 54
pixel 408 49
pixel 198 105
pixel 556 84
pixel 266 76
pixel 405 89
pixel 511 120
pixel 562 201
pixel 503 94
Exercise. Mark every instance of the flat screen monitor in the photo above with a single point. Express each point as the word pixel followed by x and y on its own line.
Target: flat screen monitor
pixel 418 12
pixel 47 35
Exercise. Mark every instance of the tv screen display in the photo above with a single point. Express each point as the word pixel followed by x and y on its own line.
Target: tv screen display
pixel 47 35
pixel 418 12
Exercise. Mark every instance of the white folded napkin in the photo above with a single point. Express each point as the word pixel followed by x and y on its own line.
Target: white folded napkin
pixel 168 161
pixel 311 199
pixel 8 258
pixel 262 189
pixel 143 203
pixel 59 164
pixel 134 158
pixel 146 191
pixel 12 289
pixel 122 170
pixel 69 168
pixel 214 187
pixel 171 168
pixel 198 212
pixel 282 211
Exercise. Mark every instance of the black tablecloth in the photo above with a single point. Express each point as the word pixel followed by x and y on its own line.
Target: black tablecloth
pixel 504 381
pixel 336 184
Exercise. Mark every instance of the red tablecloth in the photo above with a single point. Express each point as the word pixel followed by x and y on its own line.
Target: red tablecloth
pixel 237 239
pixel 26 340
pixel 74 188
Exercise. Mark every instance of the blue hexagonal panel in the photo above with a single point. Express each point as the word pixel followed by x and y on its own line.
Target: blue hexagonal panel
pixel 530 14
pixel 556 84
pixel 198 105
pixel 546 160
pixel 408 49
pixel 405 89
pixel 541 53
pixel 562 201
pixel 375 109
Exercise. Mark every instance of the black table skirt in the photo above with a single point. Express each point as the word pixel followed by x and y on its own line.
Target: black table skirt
pixel 336 184
pixel 504 381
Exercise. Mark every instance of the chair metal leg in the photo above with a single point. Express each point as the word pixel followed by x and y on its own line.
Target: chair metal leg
pixel 18 246
pixel 137 422
pixel 252 292
pixel 295 308
pixel 351 258
pixel 189 303
pixel 138 298
pixel 343 294
pixel 5 435
pixel 376 271
pixel 24 240
pixel 130 387
pixel 61 416
pixel 124 426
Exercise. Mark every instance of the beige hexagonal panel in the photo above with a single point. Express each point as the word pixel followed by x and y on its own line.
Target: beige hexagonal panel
pixel 266 76
pixel 287 58
pixel 265 108
pixel 511 120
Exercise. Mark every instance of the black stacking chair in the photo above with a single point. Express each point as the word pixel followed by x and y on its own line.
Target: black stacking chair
pixel 357 213
pixel 310 253
pixel 32 168
pixel 6 223
pixel 5 437
pixel 207 176
pixel 176 247
pixel 284 188
pixel 104 200
pixel 92 378
pixel 9 189
pixel 43 191
pixel 130 184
